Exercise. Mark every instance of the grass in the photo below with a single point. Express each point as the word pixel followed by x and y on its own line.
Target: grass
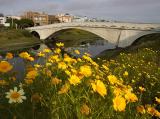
pixel 12 39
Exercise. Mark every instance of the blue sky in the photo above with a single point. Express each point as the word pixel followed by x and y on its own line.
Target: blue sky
pixel 123 10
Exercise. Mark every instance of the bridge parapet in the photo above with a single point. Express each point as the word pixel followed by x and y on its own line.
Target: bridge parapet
pixel 119 34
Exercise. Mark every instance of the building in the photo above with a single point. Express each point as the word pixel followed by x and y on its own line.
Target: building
pixel 38 18
pixel 2 20
pixel 66 18
pixel 53 19
pixel 80 19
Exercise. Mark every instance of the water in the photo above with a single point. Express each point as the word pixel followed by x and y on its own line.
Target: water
pixel 93 48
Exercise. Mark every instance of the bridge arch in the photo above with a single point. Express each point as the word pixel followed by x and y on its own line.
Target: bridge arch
pixel 128 37
pixel 36 34
pixel 77 30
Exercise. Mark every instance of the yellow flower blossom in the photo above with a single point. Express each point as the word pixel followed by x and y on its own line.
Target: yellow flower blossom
pixel 113 79
pixel 40 54
pixel 125 74
pixel 85 110
pixel 62 65
pixel 131 97
pixel 32 74
pixel 68 72
pixel 47 50
pixel 57 50
pixel 55 81
pixel 117 92
pixel 119 103
pixel 157 100
pixel 74 80
pixel 141 109
pixel 5 67
pixel 24 55
pixel 142 89
pixel 99 87
pixel 60 44
pixel 30 58
pixel 86 70
pixel 9 56
pixel 77 52
pixel 65 88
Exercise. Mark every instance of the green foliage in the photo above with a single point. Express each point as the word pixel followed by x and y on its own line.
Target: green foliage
pixel 23 23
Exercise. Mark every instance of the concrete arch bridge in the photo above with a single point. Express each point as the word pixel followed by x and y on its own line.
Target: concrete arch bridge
pixel 119 34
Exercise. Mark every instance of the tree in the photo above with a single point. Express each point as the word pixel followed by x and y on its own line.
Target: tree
pixel 24 23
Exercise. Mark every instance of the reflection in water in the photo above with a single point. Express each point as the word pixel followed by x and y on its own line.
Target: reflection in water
pixel 93 48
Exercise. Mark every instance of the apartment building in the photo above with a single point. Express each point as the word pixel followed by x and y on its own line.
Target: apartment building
pixel 53 19
pixel 39 19
pixel 66 18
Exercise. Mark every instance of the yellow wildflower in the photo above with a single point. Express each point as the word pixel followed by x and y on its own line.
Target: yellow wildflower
pixel 62 65
pixel 113 79
pixel 65 88
pixel 79 60
pixel 157 100
pixel 117 92
pixel 125 74
pixel 32 74
pixel 24 55
pixel 68 72
pixel 77 52
pixel 131 97
pixel 28 81
pixel 99 87
pixel 47 50
pixel 85 110
pixel 142 89
pixel 55 58
pixel 74 71
pixel 141 109
pixel 9 56
pixel 119 103
pixel 40 54
pixel 57 50
pixel 74 80
pixel 55 81
pixel 60 44
pixel 5 66
pixel 67 58
pixel 30 58
pixel 86 70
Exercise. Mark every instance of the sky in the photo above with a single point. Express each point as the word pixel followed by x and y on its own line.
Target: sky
pixel 120 10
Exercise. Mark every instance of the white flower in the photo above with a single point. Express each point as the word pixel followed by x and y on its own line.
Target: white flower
pixel 15 96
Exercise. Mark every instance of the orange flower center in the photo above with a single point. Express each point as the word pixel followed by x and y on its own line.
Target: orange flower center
pixel 15 95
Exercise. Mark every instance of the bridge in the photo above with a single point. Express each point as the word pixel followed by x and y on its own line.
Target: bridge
pixel 119 34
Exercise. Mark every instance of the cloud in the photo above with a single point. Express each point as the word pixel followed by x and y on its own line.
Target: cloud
pixel 132 10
